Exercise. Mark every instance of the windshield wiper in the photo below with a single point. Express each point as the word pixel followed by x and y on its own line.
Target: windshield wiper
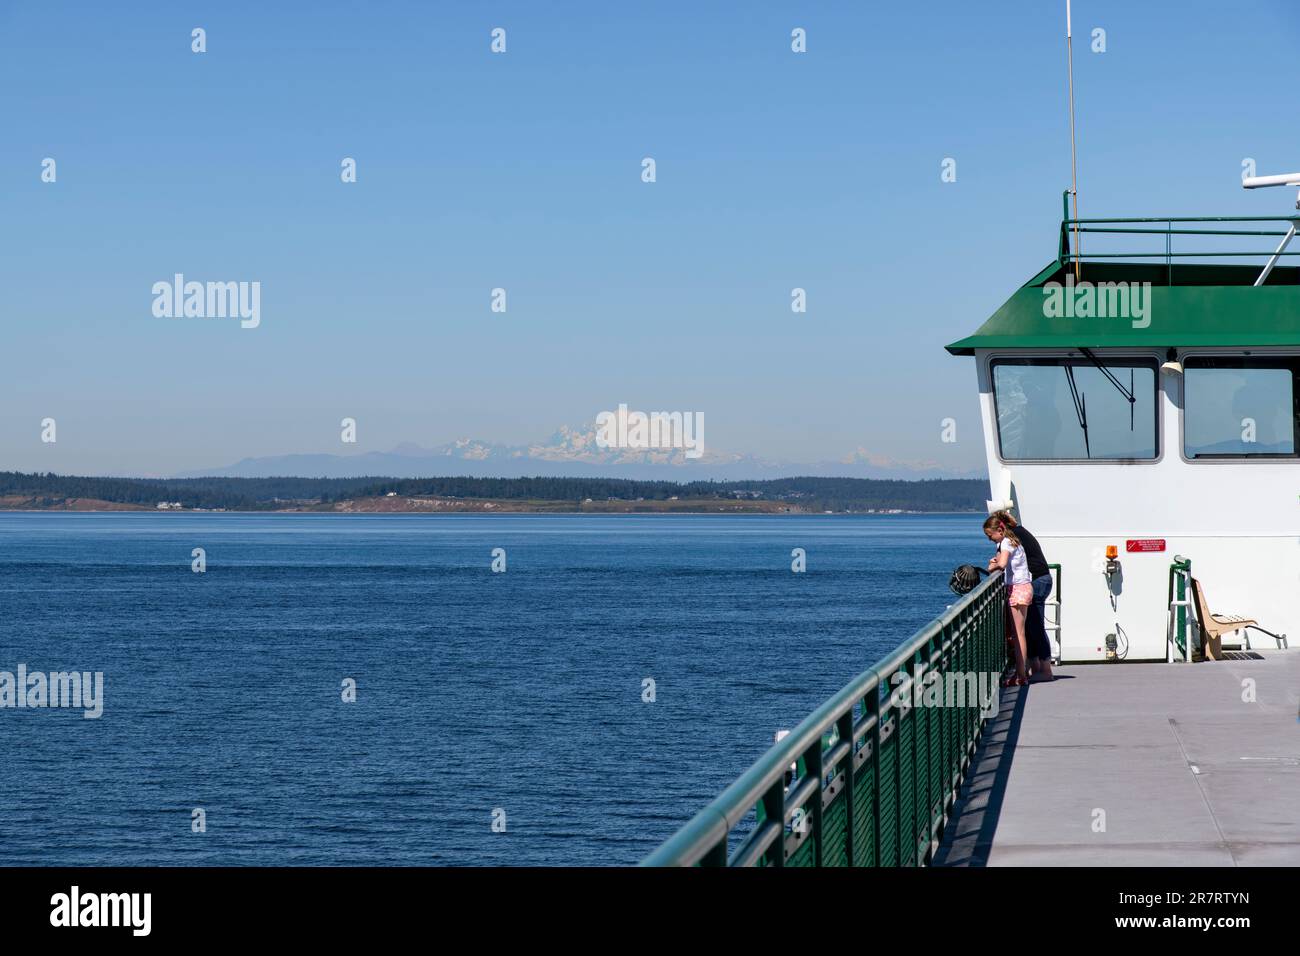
pixel 1129 393
pixel 1080 407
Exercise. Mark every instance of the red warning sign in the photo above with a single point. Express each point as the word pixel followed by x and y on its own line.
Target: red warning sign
pixel 1142 545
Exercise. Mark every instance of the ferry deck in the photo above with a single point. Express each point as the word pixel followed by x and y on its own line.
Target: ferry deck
pixel 1148 765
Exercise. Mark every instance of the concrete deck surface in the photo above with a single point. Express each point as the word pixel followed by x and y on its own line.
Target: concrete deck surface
pixel 1138 765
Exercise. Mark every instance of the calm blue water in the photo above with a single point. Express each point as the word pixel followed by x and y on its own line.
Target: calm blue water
pixel 475 691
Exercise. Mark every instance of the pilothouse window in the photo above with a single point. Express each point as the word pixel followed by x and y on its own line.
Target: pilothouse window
pixel 1240 407
pixel 1075 408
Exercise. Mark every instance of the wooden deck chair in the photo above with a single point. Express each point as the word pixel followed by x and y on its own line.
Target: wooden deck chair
pixel 1214 626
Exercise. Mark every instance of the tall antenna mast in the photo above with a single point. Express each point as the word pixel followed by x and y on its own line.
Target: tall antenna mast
pixel 1074 166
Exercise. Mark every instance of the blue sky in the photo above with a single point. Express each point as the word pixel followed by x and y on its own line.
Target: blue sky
pixel 522 171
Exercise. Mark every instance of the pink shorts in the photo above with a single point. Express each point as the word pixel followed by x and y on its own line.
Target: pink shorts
pixel 1022 595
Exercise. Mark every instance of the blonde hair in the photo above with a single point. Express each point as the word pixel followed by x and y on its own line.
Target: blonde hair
pixel 1007 517
pixel 1001 521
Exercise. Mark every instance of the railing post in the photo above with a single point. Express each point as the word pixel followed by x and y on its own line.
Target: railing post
pixel 812 761
pixel 951 720
pixel 1180 573
pixel 909 714
pixel 971 653
pixel 1171 615
pixel 873 709
pixel 845 727
pixel 774 809
pixel 900 810
pixel 1169 251
pixel 1183 578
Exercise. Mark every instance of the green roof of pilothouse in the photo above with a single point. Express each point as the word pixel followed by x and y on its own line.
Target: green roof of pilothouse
pixel 1186 304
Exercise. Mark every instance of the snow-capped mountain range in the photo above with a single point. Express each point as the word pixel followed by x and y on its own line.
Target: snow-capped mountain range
pixel 571 452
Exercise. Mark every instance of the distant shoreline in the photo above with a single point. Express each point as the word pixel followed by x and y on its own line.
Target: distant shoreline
pixel 713 507
pixel 471 495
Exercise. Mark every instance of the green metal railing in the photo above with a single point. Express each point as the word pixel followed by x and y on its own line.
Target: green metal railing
pixel 875 774
pixel 1148 226
pixel 1180 574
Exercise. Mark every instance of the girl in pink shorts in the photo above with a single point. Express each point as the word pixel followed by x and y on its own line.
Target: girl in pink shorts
pixel 1015 568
